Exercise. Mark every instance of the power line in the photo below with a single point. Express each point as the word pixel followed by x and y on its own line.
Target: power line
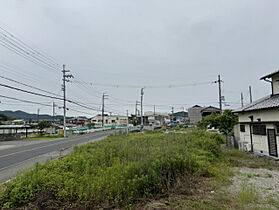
pixel 12 80
pixel 30 54
pixel 83 83
pixel 147 86
pixel 25 101
pixel 69 99
pixel 71 109
pixel 24 50
pixel 29 92
pixel 37 103
pixel 13 49
pixel 8 69
pixel 47 96
pixel 35 51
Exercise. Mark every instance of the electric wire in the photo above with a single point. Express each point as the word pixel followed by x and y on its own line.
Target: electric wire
pixel 24 44
pixel 25 101
pixel 19 47
pixel 47 96
pixel 22 54
pixel 147 86
pixel 30 86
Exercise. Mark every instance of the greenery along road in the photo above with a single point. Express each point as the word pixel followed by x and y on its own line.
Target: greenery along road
pixel 118 170
pixel 11 157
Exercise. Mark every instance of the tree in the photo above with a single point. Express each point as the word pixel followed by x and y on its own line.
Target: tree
pixel 42 125
pixel 209 121
pixel 91 125
pixel 3 117
pixel 227 121
pixel 224 122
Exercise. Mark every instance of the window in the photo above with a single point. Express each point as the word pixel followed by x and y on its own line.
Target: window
pixel 259 129
pixel 242 128
pixel 277 128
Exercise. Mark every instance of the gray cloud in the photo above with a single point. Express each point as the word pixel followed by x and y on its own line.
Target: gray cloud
pixel 157 42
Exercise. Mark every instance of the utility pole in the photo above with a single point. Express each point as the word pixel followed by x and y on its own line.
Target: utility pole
pixel 136 108
pixel 250 92
pixel 38 115
pixel 241 100
pixel 154 112
pixel 105 96
pixel 127 122
pixel 65 79
pixel 141 107
pixel 53 113
pixel 172 113
pixel 136 111
pixel 219 81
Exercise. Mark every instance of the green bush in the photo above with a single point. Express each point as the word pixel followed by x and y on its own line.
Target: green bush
pixel 119 169
pixel 225 122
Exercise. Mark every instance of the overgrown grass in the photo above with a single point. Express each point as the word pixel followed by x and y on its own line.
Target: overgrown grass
pixel 247 196
pixel 120 169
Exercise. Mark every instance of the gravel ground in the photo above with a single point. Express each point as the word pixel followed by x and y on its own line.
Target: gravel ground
pixel 265 182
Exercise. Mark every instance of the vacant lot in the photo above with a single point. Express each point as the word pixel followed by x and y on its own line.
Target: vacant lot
pixel 186 170
pixel 119 171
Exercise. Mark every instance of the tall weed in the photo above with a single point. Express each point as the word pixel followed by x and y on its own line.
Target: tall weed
pixel 119 169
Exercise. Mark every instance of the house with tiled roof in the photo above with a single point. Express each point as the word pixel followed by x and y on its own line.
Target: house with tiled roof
pixel 258 127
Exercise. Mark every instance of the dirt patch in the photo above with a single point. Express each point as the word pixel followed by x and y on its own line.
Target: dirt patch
pixel 191 187
pixel 182 197
pixel 47 201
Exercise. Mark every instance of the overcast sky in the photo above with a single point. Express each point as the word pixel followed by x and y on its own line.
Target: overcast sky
pixel 143 43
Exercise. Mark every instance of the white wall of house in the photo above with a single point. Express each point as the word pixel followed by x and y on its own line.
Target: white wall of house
pixel 110 120
pixel 266 115
pixel 260 142
pixel 275 84
pixel 245 136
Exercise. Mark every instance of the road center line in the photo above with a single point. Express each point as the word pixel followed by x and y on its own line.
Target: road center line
pixel 32 149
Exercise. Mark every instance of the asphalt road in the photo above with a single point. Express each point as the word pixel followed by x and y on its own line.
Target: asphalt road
pixel 12 157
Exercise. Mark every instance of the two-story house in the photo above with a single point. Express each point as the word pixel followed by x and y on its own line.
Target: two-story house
pixel 109 120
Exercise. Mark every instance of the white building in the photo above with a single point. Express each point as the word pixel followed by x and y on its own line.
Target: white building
pixel 109 120
pixel 258 126
pixel 157 118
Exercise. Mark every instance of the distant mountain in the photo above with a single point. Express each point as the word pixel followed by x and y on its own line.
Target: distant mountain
pixel 26 116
